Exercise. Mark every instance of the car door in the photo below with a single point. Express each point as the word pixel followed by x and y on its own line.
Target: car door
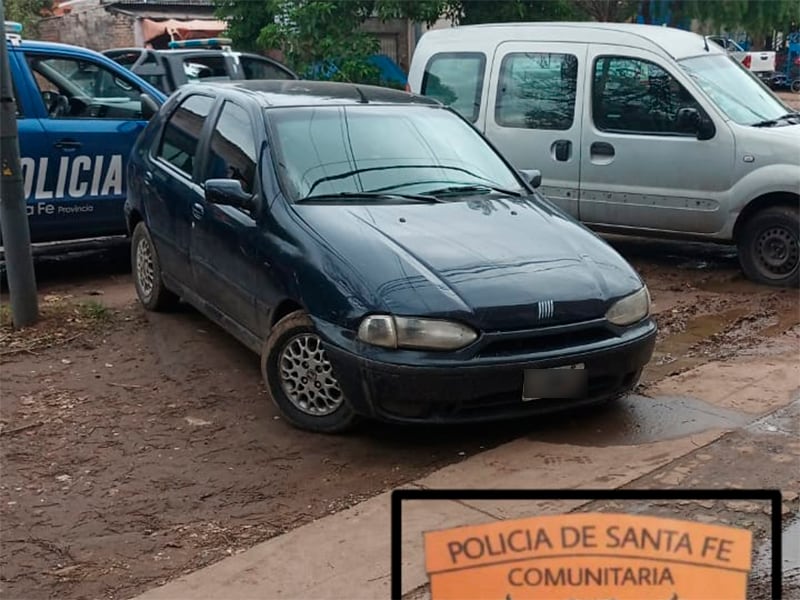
pixel 534 113
pixel 91 116
pixel 228 269
pixel 640 167
pixel 171 188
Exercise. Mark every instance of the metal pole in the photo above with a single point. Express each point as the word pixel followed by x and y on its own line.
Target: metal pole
pixel 13 214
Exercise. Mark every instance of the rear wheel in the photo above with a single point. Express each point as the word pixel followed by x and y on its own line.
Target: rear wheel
pixel 300 378
pixel 147 272
pixel 769 246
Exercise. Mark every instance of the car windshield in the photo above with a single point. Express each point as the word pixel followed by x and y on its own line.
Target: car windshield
pixel 734 90
pixel 326 151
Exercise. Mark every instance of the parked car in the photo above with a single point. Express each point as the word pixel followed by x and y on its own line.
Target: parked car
pixel 191 61
pixel 636 129
pixel 78 115
pixel 761 62
pixel 380 255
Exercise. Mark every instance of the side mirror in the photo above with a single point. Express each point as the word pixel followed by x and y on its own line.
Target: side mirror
pixel 532 176
pixel 149 106
pixel 228 192
pixel 690 120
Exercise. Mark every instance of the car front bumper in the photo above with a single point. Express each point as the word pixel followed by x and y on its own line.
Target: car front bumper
pixel 481 389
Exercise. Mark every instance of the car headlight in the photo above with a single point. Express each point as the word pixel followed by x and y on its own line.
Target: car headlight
pixel 630 309
pixel 414 333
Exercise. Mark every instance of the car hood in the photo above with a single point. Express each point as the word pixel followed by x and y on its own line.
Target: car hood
pixel 484 261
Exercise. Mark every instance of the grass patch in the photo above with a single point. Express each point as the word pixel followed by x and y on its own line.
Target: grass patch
pixel 61 319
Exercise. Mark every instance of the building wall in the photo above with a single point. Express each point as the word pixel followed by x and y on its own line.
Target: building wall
pixel 394 39
pixel 91 26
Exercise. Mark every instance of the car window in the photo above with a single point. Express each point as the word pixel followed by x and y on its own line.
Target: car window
pixel 537 91
pixel 232 154
pixel 456 79
pixel 200 68
pixel 632 95
pixel 182 132
pixel 76 88
pixel 255 68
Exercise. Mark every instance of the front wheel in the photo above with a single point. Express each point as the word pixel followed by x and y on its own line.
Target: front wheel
pixel 769 246
pixel 300 378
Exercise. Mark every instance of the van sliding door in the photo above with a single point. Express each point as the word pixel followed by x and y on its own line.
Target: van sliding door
pixel 534 113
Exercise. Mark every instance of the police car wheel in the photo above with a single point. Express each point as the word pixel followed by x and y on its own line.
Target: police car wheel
pixel 147 272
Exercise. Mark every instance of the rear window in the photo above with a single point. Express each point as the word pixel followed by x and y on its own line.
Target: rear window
pixel 456 79
pixel 182 132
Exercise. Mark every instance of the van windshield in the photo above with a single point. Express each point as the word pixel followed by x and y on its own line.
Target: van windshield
pixel 734 90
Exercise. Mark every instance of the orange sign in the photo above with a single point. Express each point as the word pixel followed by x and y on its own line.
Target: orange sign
pixel 589 556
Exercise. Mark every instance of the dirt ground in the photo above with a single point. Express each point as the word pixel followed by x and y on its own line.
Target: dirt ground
pixel 137 446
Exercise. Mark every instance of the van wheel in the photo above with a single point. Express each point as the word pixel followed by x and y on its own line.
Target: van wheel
pixel 769 247
pixel 301 380
pixel 146 268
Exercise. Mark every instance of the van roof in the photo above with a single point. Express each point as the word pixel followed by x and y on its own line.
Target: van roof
pixel 677 43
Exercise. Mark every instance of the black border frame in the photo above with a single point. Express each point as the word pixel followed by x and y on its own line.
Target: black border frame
pixel 773 495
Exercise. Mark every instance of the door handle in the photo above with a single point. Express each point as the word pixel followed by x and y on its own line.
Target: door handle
pixel 67 144
pixel 198 211
pixel 148 177
pixel 601 149
pixel 562 150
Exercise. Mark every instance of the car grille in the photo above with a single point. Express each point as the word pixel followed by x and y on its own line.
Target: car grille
pixel 545 340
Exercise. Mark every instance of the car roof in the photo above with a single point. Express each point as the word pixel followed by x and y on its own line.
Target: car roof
pixel 299 92
pixel 677 43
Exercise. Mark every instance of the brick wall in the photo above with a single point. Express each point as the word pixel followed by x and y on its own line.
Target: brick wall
pixel 90 26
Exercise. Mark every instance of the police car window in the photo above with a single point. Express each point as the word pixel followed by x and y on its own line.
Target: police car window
pixel 233 148
pixel 537 91
pixel 255 68
pixel 198 68
pixel 182 132
pixel 74 88
pixel 631 95
pixel 456 79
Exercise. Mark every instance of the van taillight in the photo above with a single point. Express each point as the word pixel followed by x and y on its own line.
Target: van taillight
pixel 408 87
pixel 747 60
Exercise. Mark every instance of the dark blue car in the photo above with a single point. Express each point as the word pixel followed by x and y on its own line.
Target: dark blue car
pixel 381 256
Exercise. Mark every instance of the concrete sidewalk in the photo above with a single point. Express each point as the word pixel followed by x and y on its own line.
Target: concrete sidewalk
pixel 347 555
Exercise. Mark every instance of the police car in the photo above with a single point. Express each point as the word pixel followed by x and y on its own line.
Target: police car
pixel 78 115
pixel 190 61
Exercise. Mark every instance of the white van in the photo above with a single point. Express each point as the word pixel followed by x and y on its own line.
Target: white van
pixel 636 129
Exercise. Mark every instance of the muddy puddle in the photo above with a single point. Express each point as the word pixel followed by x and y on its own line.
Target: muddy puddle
pixel 641 420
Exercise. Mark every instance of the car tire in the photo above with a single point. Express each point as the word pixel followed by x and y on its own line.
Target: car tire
pixel 769 246
pixel 300 379
pixel 146 269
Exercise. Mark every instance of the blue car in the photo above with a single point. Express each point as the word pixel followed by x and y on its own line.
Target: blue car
pixel 79 114
pixel 380 255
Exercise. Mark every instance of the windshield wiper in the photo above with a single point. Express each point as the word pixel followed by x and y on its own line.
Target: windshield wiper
pixel 370 196
pixel 776 120
pixel 466 189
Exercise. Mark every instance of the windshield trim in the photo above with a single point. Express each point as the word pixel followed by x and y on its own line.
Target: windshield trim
pixel 275 151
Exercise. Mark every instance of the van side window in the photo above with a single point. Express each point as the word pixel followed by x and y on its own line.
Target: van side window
pixel 232 153
pixel 456 79
pixel 632 95
pixel 536 91
pixel 182 132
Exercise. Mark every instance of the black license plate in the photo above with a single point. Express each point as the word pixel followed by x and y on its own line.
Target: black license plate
pixel 569 381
